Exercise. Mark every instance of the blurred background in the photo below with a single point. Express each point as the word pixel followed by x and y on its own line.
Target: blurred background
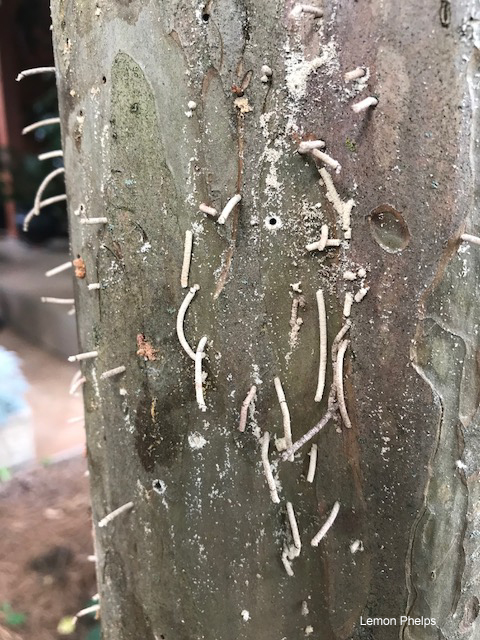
pixel 46 575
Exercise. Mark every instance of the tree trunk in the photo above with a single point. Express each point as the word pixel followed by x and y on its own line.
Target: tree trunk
pixel 200 554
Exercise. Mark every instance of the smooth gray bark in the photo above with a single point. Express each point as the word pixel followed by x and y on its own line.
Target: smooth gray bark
pixel 206 546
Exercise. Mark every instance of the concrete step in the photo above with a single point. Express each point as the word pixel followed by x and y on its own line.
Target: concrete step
pixel 53 411
pixel 23 283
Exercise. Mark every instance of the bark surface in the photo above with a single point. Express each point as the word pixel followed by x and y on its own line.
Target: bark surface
pixel 199 555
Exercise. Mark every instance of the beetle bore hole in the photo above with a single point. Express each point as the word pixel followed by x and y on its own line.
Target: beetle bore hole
pixel 158 486
pixel 272 222
pixel 206 11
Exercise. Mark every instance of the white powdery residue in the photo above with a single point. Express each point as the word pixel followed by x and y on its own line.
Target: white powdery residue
pixel 126 413
pixel 113 273
pixel 225 470
pixel 192 177
pixel 465 267
pixel 105 147
pixel 272 155
pixel 142 492
pixel 198 228
pixel 254 219
pixel 196 542
pixel 274 464
pixel 264 123
pixel 145 247
pixel 214 494
pixel 298 303
pixel 272 183
pixel 95 383
pixel 199 16
pixel 228 463
pixel 256 374
pixel 298 69
pixel 385 449
pixel 245 615
pixel 218 271
pixel 196 440
pixel 220 473
pixel 312 217
pixel 311 214
pixel 252 420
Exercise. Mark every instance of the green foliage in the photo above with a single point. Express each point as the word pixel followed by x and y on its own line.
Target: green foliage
pixel 12 618
pixel 26 170
pixel 5 474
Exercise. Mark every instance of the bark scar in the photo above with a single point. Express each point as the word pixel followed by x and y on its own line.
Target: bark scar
pixel 233 241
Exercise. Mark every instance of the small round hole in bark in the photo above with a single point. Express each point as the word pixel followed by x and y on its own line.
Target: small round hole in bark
pixel 388 228
pixel 159 486
pixel 272 223
pixel 206 11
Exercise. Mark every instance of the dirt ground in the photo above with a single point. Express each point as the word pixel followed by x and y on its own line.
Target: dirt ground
pixel 45 541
